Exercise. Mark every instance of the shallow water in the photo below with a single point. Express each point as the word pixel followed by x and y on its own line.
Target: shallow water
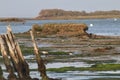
pixel 100 26
pixel 45 45
pixel 75 75
pixel 61 64
pixel 70 75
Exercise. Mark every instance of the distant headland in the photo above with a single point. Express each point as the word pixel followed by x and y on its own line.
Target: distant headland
pixel 11 20
pixel 62 14
pixel 59 14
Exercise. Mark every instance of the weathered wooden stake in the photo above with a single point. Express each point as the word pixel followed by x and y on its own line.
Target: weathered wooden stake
pixel 14 43
pixel 10 47
pixel 41 66
pixel 19 62
pixel 24 68
pixel 5 51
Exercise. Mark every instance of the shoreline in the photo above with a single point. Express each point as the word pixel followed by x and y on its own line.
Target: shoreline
pixel 7 19
pixel 79 18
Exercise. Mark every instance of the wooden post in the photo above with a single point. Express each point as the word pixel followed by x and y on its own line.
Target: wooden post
pixel 15 53
pixel 41 66
pixel 14 44
pixel 5 51
pixel 16 47
pixel 19 62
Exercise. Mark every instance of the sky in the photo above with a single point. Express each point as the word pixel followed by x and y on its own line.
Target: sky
pixel 31 8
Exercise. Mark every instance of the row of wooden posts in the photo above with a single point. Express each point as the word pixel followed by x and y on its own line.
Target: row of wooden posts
pixel 16 63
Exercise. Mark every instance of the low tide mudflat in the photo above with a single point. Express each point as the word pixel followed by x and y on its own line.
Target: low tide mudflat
pixel 73 57
pixel 85 53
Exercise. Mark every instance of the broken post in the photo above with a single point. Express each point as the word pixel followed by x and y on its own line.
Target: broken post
pixel 5 51
pixel 14 44
pixel 23 66
pixel 18 61
pixel 40 62
pixel 10 47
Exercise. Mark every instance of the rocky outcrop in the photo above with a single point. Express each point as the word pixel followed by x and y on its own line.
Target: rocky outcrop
pixel 62 30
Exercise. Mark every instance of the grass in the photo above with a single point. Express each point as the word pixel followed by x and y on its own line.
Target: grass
pixel 97 67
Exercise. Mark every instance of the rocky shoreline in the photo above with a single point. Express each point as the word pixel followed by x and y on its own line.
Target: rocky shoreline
pixel 71 38
pixel 91 48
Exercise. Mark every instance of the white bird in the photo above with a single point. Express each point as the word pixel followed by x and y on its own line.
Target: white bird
pixel 70 53
pixel 91 25
pixel 115 19
pixel 45 52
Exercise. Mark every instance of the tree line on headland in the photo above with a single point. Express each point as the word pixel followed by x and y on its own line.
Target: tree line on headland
pixel 62 14
pixel 47 14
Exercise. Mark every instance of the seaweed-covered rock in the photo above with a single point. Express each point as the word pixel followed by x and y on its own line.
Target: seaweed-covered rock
pixel 62 30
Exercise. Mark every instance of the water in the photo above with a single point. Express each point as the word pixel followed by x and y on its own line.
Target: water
pixel 75 75
pixel 70 75
pixel 61 64
pixel 99 26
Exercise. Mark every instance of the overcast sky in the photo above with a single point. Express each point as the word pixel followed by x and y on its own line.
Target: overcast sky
pixel 31 8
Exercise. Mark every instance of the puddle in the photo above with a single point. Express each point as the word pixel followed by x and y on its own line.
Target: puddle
pixel 80 75
pixel 45 45
pixel 2 66
pixel 67 64
pixel 76 75
pixel 29 57
pixel 72 75
pixel 61 64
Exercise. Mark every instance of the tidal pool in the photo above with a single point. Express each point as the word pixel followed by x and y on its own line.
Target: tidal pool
pixel 61 64
pixel 77 75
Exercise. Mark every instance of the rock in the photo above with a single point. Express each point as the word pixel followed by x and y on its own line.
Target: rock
pixel 62 30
